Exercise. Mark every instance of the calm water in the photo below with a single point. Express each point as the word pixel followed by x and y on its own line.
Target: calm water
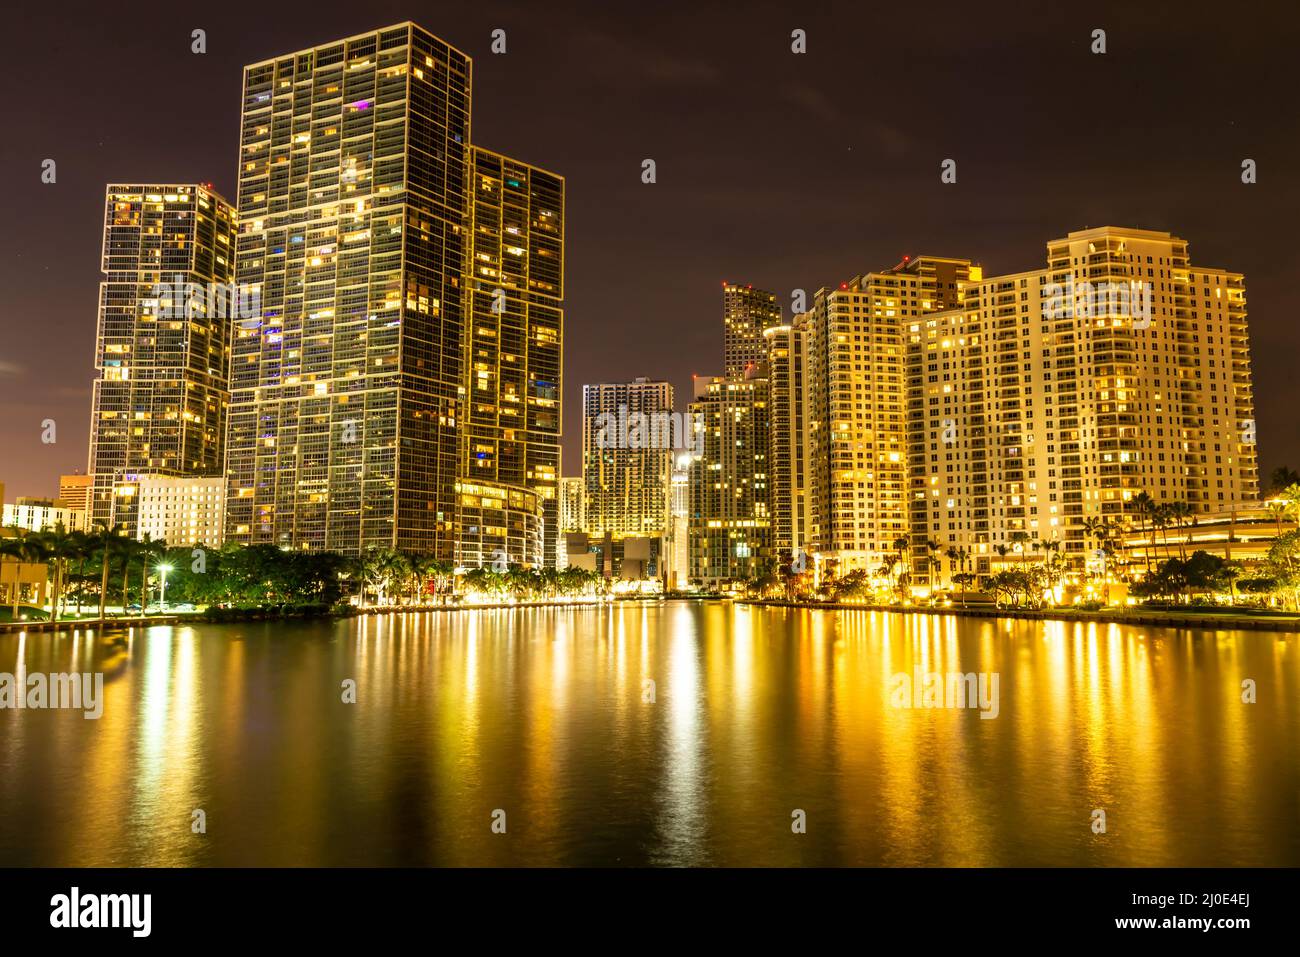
pixel 756 713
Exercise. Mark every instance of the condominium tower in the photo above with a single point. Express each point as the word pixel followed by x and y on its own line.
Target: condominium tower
pixel 162 349
pixel 730 520
pixel 627 457
pixel 854 418
pixel 746 313
pixel 1049 397
pixel 790 443
pixel 410 327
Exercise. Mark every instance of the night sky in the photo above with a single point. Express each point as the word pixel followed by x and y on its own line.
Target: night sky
pixel 782 170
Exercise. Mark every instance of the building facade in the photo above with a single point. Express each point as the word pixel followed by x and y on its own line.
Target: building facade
pixel 182 511
pixel 730 521
pixel 76 492
pixel 629 435
pixel 511 422
pixel 1055 396
pixel 854 417
pixel 746 314
pixel 41 515
pixel 410 286
pixel 162 348
pixel 790 449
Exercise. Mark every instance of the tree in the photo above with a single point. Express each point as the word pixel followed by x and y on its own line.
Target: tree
pixel 1180 514
pixel 1283 477
pixel 1145 506
pixel 148 549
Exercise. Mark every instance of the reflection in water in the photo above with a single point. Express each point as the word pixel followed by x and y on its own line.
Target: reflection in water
pixel 548 716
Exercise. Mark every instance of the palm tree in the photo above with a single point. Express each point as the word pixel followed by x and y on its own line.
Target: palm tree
pixel 1019 538
pixel 129 550
pixel 1145 506
pixel 904 546
pixel 1180 514
pixel 932 549
pixel 1283 477
pixel 1160 520
pixel 109 542
pixel 147 549
pixel 60 547
pixel 958 557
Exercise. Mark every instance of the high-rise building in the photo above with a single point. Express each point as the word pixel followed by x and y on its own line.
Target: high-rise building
pixel 790 443
pixel 573 510
pixel 730 518
pixel 629 434
pixel 677 561
pixel 511 421
pixel 854 418
pixel 746 314
pixel 410 286
pixel 162 352
pixel 1049 397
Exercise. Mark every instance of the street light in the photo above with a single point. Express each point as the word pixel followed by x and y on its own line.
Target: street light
pixel 162 591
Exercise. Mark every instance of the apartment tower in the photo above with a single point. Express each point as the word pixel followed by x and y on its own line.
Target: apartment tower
pixel 1051 397
pixel 162 347
pixel 746 314
pixel 410 326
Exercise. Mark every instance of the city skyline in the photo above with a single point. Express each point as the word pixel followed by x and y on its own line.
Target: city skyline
pixel 1010 192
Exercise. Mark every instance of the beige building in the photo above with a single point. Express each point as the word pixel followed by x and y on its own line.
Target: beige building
pixel 76 493
pixel 855 392
pixel 1049 397
pixel 22 580
pixel 181 511
pixel 1244 532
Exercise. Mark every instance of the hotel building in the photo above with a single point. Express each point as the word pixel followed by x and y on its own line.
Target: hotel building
pixel 410 327
pixel 162 349
pixel 1033 406
pixel 182 511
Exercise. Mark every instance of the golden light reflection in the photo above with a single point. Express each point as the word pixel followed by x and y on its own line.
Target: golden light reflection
pixel 758 712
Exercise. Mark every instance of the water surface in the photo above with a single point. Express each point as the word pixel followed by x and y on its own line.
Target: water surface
pixel 754 714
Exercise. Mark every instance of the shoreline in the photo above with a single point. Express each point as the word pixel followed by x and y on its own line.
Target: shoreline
pixel 1225 621
pixel 1215 622
pixel 90 624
